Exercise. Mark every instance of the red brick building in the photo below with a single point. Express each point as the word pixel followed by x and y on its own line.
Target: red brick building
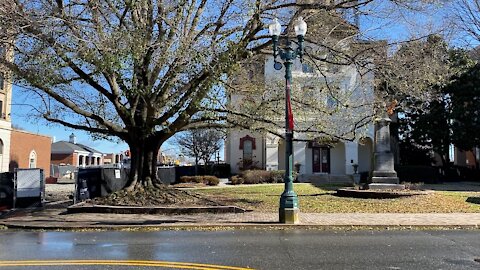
pixel 75 154
pixel 29 150
pixel 113 158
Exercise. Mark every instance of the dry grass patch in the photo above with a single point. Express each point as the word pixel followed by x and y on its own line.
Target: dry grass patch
pixel 265 198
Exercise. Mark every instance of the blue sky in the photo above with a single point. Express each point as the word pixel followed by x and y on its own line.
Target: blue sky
pixel 377 29
pixel 403 24
pixel 57 132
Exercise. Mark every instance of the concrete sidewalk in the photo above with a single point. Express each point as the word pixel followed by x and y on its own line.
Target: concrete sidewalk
pixel 55 218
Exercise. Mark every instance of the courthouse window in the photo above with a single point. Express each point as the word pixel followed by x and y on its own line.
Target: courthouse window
pixel 2 81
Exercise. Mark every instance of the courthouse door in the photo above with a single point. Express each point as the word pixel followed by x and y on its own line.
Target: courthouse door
pixel 321 160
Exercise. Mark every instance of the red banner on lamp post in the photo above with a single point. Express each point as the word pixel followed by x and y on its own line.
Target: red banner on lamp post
pixel 290 124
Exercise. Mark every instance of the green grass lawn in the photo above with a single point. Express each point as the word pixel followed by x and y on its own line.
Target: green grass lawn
pixel 265 198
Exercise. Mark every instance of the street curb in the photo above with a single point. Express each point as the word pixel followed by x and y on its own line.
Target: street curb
pixel 223 226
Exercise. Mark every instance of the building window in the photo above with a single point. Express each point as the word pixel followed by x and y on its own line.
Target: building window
pixel 1 147
pixel 247 154
pixel 331 102
pixel 309 92
pixel 247 144
pixel 32 160
pixel 306 68
pixel 245 139
pixel 451 153
pixel 2 81
pixel 250 75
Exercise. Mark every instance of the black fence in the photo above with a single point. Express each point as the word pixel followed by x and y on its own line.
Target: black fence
pixel 6 190
pixel 459 173
pixel 167 174
pixel 432 175
pixel 416 174
pixel 22 188
pixel 99 182
pixel 170 175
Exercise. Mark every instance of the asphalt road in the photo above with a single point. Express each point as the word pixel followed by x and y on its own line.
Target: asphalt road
pixel 235 250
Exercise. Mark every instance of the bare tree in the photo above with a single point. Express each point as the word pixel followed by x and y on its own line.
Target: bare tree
pixel 200 144
pixel 190 145
pixel 141 70
pixel 467 17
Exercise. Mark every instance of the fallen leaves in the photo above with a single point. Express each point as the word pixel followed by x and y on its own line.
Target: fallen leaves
pixel 265 198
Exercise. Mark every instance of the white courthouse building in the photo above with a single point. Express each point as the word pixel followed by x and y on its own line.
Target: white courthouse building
pixel 335 158
pixel 314 156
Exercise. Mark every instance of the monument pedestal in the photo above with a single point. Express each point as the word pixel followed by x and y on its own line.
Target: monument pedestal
pixel 385 186
pixel 384 175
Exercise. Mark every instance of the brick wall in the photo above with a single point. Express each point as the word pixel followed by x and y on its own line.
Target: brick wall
pixel 63 159
pixel 23 143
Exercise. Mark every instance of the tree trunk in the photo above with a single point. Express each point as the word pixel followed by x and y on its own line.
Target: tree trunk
pixel 474 152
pixel 205 166
pixel 143 166
pixel 196 166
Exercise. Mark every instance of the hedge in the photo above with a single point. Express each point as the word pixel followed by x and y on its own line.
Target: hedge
pixel 205 179
pixel 258 177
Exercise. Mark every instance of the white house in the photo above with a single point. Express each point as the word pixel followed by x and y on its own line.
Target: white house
pixel 314 154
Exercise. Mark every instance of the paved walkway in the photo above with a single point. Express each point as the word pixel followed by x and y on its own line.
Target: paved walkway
pixel 57 219
pixel 54 217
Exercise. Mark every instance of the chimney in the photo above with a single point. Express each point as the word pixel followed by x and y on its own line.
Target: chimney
pixel 73 139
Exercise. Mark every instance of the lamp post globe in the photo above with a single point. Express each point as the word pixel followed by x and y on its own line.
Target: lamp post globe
pixel 275 28
pixel 300 27
pixel 288 210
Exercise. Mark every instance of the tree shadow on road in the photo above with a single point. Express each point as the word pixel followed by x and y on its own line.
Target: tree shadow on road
pixel 475 200
pixel 146 222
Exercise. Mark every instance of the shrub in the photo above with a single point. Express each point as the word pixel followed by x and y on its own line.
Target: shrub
pixel 205 179
pixel 236 180
pixel 259 177
pixel 256 176
pixel 189 179
pixel 210 180
pixel 277 176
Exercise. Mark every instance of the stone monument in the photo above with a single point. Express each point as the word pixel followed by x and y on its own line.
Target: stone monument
pixel 384 175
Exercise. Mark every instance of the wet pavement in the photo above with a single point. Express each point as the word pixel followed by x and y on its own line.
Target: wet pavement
pixel 257 249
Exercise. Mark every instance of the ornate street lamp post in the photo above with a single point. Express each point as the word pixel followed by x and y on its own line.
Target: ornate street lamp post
pixel 288 211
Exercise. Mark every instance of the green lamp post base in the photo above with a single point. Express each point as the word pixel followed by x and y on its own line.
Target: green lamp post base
pixel 289 213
